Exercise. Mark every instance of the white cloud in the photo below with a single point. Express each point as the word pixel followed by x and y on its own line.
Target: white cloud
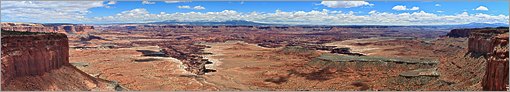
pixel 324 17
pixel 415 8
pixel 189 7
pixel 372 12
pixel 172 1
pixel 198 8
pixel 345 4
pixel 401 8
pixel 440 11
pixel 183 7
pixel 47 11
pixel 112 2
pixel 437 5
pixel 148 2
pixel 482 8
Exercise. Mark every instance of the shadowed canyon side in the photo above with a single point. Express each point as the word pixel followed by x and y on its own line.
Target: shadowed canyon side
pixel 39 61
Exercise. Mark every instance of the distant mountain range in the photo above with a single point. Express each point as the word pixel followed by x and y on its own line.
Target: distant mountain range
pixel 250 23
pixel 229 22
pixel 477 25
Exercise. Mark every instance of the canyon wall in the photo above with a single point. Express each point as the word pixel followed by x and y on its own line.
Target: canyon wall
pixel 59 28
pixel 484 65
pixel 32 54
pixel 27 27
pixel 496 74
pixel 481 40
pixel 459 33
pixel 480 43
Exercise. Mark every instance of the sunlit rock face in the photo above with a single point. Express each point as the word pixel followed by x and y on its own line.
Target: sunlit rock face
pixel 496 74
pixel 24 55
pixel 481 40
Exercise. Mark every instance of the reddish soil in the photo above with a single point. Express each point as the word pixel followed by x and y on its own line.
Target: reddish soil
pixel 63 79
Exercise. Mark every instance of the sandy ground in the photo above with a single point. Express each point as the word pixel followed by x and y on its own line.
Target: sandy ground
pixel 239 66
pixel 160 73
pixel 367 50
pixel 65 78
pixel 242 66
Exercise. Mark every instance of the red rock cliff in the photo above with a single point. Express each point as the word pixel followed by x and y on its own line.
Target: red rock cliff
pixel 496 74
pixel 26 27
pixel 481 40
pixel 24 55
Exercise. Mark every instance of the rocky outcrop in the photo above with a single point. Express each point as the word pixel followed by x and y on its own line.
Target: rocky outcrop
pixel 40 61
pixel 480 40
pixel 459 33
pixel 84 28
pixel 34 27
pixel 496 74
pixel 345 51
pixel 467 32
pixel 24 55
pixel 30 27
pixel 492 44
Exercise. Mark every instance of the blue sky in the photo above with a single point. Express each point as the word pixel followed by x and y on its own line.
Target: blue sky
pixel 297 12
pixel 496 8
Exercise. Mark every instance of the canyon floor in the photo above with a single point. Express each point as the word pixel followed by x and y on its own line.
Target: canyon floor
pixel 237 65
pixel 376 59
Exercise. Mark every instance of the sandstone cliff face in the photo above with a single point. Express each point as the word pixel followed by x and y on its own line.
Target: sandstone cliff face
pixel 84 28
pixel 24 55
pixel 496 74
pixel 493 44
pixel 39 61
pixel 26 27
pixel 481 40
pixel 479 43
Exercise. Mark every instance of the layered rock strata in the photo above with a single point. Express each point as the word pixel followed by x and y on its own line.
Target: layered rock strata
pixel 24 55
pixel 496 74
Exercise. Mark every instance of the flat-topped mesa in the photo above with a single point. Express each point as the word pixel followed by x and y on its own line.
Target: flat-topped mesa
pixel 467 32
pixel 459 33
pixel 28 53
pixel 496 74
pixel 59 28
pixel 481 41
pixel 30 27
